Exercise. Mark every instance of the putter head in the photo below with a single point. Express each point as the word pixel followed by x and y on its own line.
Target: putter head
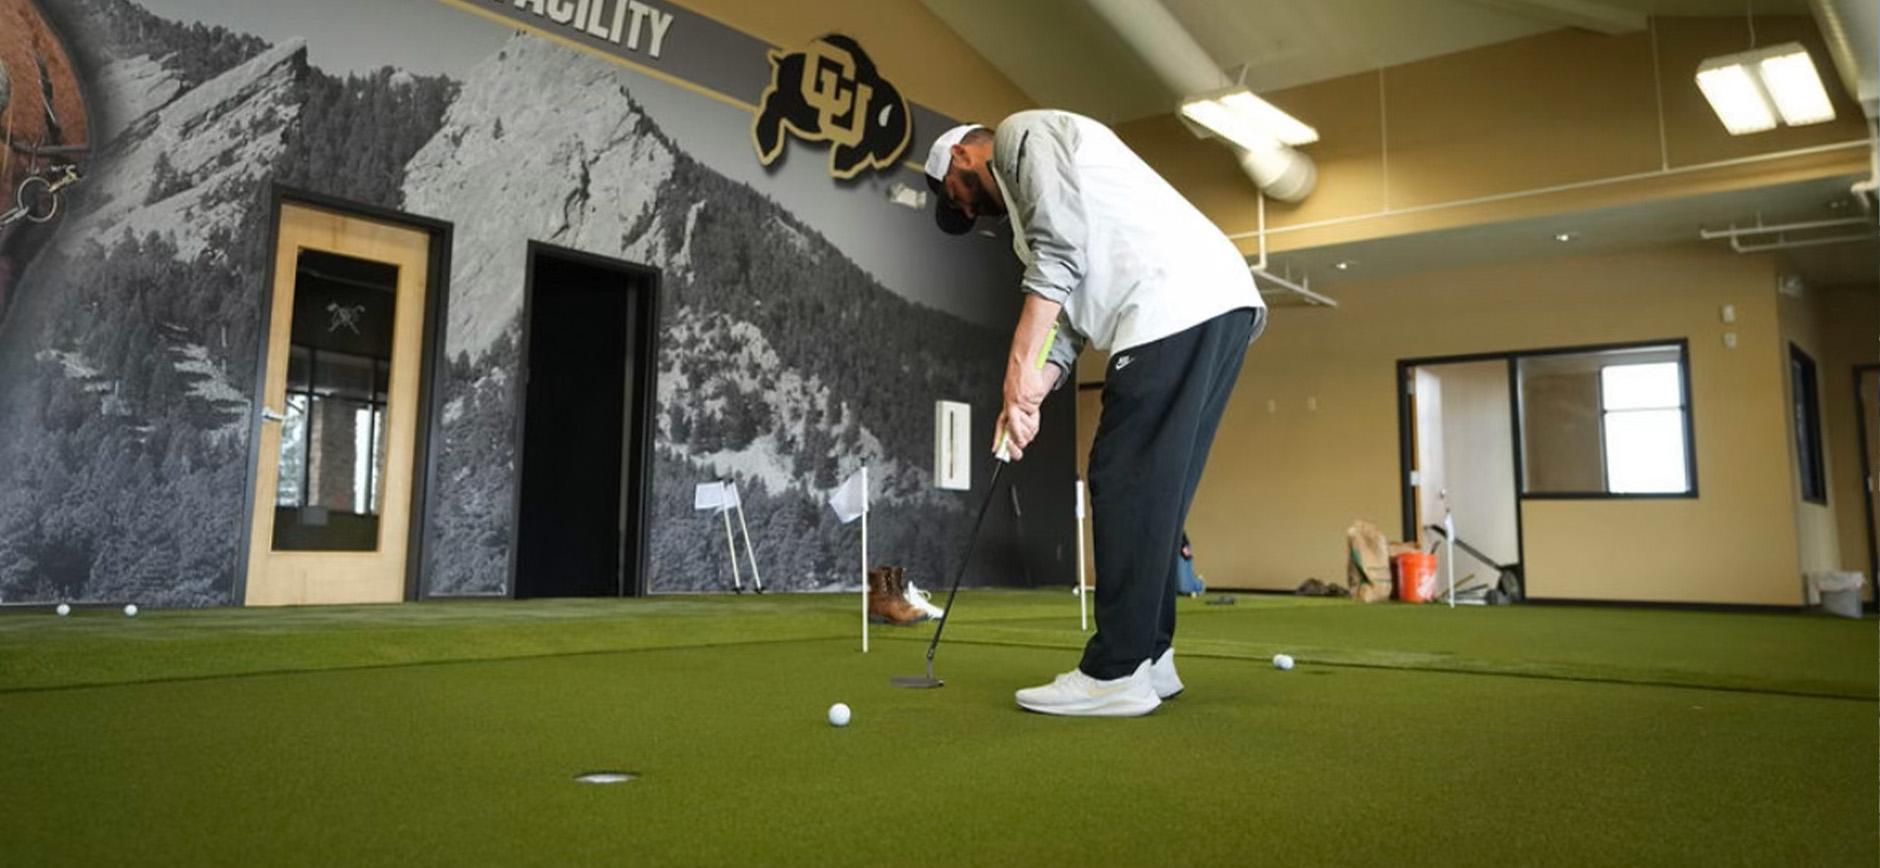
pixel 917 680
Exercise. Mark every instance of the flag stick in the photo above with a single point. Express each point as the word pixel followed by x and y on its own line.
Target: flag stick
pixel 864 559
pixel 737 581
pixel 757 581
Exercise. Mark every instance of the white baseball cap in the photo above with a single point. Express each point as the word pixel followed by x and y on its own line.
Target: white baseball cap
pixel 940 158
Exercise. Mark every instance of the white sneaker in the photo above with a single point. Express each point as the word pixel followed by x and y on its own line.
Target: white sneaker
pixel 919 600
pixel 1079 695
pixel 1162 675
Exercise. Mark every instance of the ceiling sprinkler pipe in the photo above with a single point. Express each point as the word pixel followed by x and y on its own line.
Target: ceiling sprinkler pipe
pixel 1865 191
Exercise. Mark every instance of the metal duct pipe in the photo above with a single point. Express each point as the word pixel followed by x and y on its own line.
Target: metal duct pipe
pixel 1186 69
pixel 1851 28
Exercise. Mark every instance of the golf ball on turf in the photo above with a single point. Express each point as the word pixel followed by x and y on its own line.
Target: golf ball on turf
pixel 130 610
pixel 63 610
pixel 838 715
pixel 1282 661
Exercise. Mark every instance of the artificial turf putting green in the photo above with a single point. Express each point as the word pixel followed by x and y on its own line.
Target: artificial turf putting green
pixel 471 762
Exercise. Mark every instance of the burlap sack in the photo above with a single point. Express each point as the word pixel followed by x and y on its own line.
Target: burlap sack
pixel 1367 562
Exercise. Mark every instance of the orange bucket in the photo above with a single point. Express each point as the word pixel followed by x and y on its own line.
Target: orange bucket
pixel 1416 576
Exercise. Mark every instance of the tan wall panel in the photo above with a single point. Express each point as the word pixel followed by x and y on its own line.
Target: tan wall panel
pixel 1557 108
pixel 1348 155
pixel 1349 114
pixel 1509 123
pixel 1283 484
pixel 927 61
pixel 1595 195
pixel 1693 134
pixel 1817 544
pixel 1850 323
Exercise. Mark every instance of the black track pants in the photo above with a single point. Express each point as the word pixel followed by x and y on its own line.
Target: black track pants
pixel 1161 404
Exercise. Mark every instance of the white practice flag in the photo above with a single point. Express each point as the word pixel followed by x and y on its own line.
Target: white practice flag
pixel 850 500
pixel 709 495
pixel 731 495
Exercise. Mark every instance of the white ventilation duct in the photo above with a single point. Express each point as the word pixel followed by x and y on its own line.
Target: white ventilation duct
pixel 1186 69
pixel 1851 28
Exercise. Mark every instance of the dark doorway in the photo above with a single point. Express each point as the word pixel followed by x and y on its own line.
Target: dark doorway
pixel 589 346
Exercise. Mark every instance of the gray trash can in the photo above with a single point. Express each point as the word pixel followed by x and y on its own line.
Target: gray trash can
pixel 1836 593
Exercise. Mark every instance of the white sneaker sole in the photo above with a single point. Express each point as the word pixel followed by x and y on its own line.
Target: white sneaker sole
pixel 1120 701
pixel 1112 706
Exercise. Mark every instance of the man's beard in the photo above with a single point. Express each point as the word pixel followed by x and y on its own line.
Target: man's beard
pixel 983 201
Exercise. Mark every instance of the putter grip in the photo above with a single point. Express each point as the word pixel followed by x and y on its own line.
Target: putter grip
pixel 1044 355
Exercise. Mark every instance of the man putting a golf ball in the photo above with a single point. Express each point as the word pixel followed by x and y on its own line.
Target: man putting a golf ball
pixel 1115 257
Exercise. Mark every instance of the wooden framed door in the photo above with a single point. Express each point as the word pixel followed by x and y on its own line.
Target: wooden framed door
pixel 335 469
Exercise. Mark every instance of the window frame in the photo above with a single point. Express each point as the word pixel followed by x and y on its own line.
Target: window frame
pixel 1683 349
pixel 1811 468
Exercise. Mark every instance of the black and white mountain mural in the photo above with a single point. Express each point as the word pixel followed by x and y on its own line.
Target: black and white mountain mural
pixel 128 363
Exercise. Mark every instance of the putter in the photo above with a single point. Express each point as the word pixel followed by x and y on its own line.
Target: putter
pixel 929 680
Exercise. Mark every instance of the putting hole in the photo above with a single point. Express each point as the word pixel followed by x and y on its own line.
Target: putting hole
pixel 607 777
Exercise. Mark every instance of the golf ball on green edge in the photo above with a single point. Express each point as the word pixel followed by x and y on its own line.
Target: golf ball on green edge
pixel 63 610
pixel 838 715
pixel 130 610
pixel 1282 661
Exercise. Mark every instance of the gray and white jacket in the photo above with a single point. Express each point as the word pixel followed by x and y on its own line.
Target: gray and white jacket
pixel 1099 232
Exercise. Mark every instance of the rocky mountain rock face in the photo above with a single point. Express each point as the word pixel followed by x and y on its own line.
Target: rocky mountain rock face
pixel 764 355
pixel 126 390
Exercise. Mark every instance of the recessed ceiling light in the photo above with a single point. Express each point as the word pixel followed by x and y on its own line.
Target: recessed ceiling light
pixel 1345 265
pixel 1566 236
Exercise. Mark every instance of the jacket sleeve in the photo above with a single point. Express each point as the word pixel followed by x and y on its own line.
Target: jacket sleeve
pixel 1064 349
pixel 1049 204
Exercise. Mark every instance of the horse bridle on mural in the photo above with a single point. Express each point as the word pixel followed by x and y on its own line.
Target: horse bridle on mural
pixel 37 198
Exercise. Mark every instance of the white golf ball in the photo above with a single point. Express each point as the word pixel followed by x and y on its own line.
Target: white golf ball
pixel 1282 661
pixel 130 610
pixel 838 715
pixel 63 610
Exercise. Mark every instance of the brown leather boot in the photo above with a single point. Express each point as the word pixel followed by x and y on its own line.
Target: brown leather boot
pixel 887 600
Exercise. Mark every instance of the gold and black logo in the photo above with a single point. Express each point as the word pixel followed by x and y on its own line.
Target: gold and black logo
pixel 830 92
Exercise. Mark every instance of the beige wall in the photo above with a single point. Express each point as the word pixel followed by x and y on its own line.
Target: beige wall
pixel 1849 323
pixel 1562 121
pixel 1817 539
pixel 1284 481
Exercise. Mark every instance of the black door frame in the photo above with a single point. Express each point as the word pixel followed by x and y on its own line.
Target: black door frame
pixel 1406 439
pixel 1866 478
pixel 1406 424
pixel 418 552
pixel 640 420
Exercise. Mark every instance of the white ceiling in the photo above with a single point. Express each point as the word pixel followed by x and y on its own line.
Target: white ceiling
pixel 1062 55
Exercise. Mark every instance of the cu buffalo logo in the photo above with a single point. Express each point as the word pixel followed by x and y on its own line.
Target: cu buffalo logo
pixel 830 92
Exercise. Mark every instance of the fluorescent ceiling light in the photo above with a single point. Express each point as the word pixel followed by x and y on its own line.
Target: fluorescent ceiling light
pixel 1736 98
pixel 1790 77
pixel 1752 91
pixel 1246 120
